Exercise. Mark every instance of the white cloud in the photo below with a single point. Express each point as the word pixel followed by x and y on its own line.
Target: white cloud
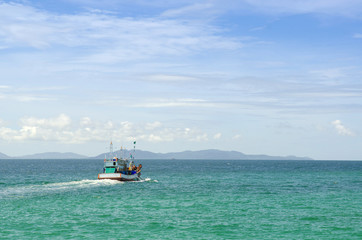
pixel 193 135
pixel 237 136
pixel 85 121
pixel 331 73
pixel 349 8
pixel 195 9
pixel 107 37
pixel 29 94
pixel 200 138
pixel 29 98
pixel 341 129
pixel 217 136
pixel 61 129
pixel 154 125
pixel 170 78
pixel 156 138
pixel 167 134
pixel 184 102
pixel 60 122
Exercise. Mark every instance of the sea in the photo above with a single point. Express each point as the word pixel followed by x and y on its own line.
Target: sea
pixel 182 199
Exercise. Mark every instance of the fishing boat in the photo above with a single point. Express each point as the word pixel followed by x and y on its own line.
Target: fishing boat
pixel 119 168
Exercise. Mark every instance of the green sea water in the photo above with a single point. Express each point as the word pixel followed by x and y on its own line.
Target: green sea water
pixel 182 199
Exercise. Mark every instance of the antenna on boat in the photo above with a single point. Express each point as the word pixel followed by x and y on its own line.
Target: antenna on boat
pixel 111 150
pixel 134 149
pixel 105 154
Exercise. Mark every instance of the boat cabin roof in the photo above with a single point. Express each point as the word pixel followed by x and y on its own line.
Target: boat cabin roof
pixel 115 162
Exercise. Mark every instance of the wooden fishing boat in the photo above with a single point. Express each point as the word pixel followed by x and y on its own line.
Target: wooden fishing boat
pixel 121 169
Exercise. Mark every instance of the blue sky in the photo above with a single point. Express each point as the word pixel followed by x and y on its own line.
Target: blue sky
pixel 261 77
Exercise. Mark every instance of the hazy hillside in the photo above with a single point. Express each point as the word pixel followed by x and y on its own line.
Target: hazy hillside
pixel 3 156
pixel 202 154
pixel 139 154
pixel 53 155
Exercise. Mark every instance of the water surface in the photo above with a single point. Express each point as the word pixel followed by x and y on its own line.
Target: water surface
pixel 182 199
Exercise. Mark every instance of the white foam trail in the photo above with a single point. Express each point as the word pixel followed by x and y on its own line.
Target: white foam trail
pixel 82 183
pixel 61 186
pixel 147 180
pixel 54 187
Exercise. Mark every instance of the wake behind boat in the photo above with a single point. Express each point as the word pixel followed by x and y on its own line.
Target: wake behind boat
pixel 121 169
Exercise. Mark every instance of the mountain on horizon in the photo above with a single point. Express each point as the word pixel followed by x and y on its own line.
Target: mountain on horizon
pixel 212 154
pixel 52 155
pixel 4 156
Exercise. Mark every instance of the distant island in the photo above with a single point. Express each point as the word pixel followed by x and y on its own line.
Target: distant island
pixel 211 154
pixel 47 155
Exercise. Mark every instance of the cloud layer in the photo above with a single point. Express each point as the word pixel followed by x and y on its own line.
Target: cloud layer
pixel 350 8
pixel 225 74
pixel 341 129
pixel 111 38
pixel 62 129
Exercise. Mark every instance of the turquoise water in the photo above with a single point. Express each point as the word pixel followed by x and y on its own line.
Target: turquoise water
pixel 202 199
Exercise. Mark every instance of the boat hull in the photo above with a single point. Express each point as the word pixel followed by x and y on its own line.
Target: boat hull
pixel 118 176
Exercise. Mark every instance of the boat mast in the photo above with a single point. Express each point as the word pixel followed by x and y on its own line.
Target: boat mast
pixel 111 150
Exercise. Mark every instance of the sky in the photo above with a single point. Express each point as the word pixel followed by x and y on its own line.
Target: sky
pixel 272 77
